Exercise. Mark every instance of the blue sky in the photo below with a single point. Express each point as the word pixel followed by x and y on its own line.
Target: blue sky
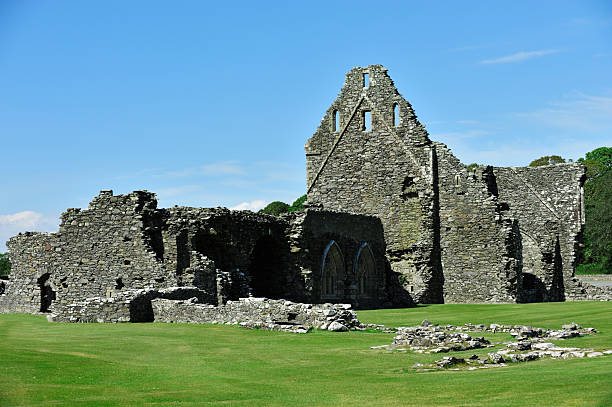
pixel 210 104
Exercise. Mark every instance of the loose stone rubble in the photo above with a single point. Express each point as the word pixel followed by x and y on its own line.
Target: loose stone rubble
pixel 531 344
pixel 192 305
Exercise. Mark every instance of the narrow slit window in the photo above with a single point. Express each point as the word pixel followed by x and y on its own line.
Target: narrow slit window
pixel 366 80
pixel 336 124
pixel 396 116
pixel 367 120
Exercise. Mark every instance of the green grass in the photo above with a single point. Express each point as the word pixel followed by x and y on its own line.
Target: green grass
pixel 55 364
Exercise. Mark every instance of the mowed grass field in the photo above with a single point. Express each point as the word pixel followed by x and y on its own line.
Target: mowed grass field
pixel 56 364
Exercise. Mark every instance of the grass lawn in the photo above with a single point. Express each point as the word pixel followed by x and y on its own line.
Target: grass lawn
pixel 57 364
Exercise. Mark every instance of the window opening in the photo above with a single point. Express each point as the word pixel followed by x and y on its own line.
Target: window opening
pixel 396 116
pixel 336 118
pixel 366 80
pixel 367 120
pixel 365 271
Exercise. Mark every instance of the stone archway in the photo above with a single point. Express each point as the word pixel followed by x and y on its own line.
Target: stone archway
pixel 332 272
pixel 365 272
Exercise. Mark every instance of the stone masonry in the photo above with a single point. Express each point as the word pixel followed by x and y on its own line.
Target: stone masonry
pixel 392 218
pixel 452 235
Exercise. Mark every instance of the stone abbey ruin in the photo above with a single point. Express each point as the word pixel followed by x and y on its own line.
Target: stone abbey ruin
pixel 392 219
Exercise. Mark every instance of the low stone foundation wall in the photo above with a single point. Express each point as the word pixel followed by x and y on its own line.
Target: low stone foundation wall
pixel 128 306
pixel 581 290
pixel 260 313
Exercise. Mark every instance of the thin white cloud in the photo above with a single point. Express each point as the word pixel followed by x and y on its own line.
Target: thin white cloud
pixel 459 135
pixel 25 221
pixel 468 122
pixel 222 168
pixel 579 112
pixel 177 191
pixel 520 56
pixel 250 206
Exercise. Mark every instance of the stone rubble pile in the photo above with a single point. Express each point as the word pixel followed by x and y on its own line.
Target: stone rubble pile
pixel 260 313
pixel 429 338
pixel 530 344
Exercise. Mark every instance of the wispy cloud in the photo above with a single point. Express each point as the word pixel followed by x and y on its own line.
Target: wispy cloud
pixel 175 191
pixel 578 112
pixel 459 135
pixel 468 122
pixel 250 206
pixel 219 168
pixel 222 168
pixel 520 56
pixel 25 221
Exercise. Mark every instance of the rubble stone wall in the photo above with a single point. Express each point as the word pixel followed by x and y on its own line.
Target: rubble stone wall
pixel 547 201
pixel 478 242
pixel 255 311
pixel 386 171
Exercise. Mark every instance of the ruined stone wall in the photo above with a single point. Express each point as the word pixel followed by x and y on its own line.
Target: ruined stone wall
pixel 126 306
pixel 124 243
pixel 479 244
pixel 312 231
pixel 547 201
pixel 113 245
pixel 257 312
pixel 386 172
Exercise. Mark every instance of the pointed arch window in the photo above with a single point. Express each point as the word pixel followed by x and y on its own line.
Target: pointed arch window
pixel 332 270
pixel 365 271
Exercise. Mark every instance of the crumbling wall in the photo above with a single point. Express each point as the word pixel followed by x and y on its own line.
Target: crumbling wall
pixel 258 312
pixel 126 306
pixel 384 171
pixel 311 232
pixel 548 203
pixel 479 243
pixel 113 245
pixel 30 287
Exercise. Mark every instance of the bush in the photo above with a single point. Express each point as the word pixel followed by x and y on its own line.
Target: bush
pixel 592 268
pixel 298 204
pixel 275 208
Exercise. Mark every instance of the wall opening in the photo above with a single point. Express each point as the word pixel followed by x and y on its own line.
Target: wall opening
pixel 267 269
pixel 47 295
pixel 396 115
pixel 366 120
pixel 457 180
pixel 365 271
pixel 212 246
pixel 336 120
pixel 366 80
pixel 119 284
pixel 332 271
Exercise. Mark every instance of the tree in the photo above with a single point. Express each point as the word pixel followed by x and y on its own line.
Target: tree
pixel 596 255
pixel 298 204
pixel 547 160
pixel 5 265
pixel 275 208
pixel 472 166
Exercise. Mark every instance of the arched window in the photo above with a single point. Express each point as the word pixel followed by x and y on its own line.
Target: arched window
pixel 332 270
pixel 336 120
pixel 365 271
pixel 396 115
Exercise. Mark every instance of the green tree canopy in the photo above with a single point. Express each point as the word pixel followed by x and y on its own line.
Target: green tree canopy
pixel 275 208
pixel 596 255
pixel 298 204
pixel 547 160
pixel 472 166
pixel 5 264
